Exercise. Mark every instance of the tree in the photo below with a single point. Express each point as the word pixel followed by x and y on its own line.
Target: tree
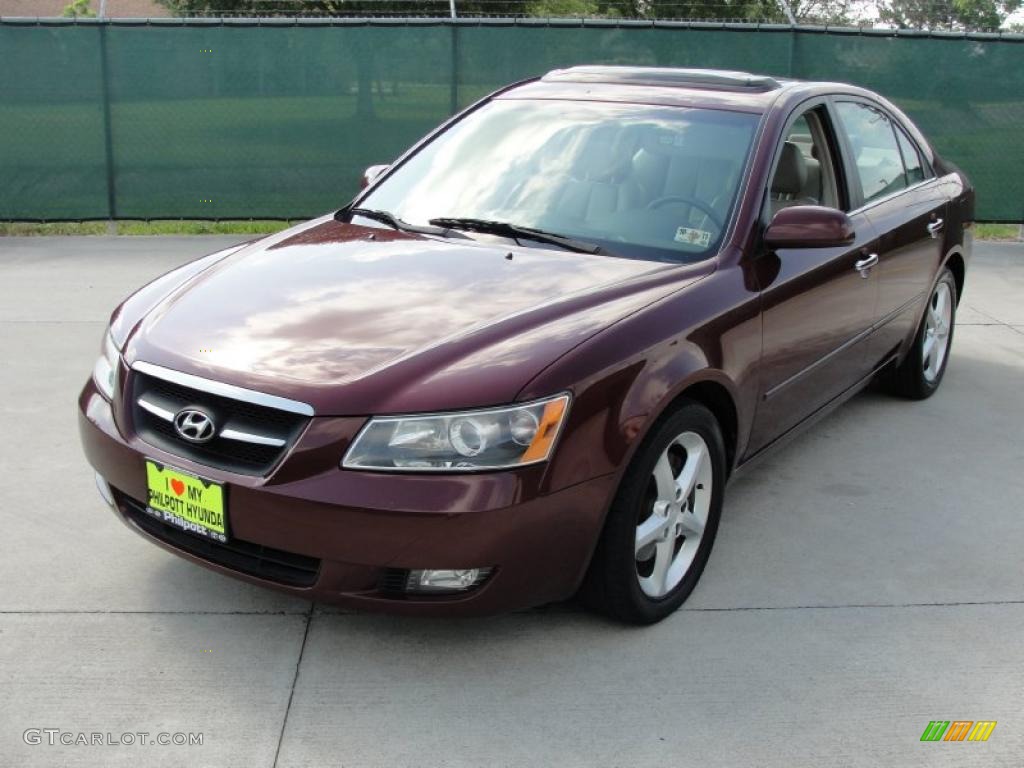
pixel 563 9
pixel 814 11
pixel 946 14
pixel 77 8
pixel 340 7
pixel 835 12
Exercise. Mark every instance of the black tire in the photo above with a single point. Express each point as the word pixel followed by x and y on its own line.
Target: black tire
pixel 909 378
pixel 612 585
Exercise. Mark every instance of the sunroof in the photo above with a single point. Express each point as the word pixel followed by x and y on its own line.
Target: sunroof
pixel 692 78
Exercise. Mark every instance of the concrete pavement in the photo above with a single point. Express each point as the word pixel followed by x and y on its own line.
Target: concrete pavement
pixel 866 579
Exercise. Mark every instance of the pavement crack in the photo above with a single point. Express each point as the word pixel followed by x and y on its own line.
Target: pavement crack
pixel 843 606
pixel 98 612
pixel 548 610
pixel 295 680
pixel 995 320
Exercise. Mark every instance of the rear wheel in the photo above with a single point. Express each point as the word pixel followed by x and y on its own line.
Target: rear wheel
pixel 920 373
pixel 662 524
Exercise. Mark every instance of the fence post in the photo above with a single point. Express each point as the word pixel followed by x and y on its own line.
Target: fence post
pixel 454 80
pixel 108 142
pixel 793 53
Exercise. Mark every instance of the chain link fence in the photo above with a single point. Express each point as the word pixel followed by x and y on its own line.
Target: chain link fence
pixel 276 118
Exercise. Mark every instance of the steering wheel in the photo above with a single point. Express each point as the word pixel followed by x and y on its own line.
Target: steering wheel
pixel 702 207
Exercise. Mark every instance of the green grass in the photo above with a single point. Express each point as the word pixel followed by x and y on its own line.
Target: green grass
pixel 997 231
pixel 173 227
pixel 19 228
pixel 187 227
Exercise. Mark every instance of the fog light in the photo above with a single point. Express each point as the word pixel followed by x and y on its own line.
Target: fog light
pixel 446 580
pixel 104 488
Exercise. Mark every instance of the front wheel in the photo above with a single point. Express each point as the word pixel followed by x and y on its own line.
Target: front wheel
pixel 920 373
pixel 662 523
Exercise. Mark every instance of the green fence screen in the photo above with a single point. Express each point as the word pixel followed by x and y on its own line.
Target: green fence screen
pixel 239 119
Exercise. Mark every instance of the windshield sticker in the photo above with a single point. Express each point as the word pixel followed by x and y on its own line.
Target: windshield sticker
pixel 693 237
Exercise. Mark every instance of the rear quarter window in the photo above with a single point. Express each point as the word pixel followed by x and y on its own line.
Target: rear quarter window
pixel 911 158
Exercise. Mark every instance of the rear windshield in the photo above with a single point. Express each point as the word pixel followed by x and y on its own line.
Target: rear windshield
pixel 640 181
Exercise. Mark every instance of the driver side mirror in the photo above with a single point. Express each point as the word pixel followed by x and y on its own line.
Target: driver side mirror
pixel 809 226
pixel 371 174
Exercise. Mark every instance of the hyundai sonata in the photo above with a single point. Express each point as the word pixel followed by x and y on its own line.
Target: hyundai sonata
pixel 526 359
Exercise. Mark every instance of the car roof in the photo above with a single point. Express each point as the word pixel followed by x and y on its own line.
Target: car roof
pixel 709 88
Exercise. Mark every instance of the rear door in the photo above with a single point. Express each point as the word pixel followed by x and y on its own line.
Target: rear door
pixel 818 307
pixel 898 192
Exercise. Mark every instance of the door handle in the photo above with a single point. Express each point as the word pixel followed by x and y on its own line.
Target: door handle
pixel 864 265
pixel 934 228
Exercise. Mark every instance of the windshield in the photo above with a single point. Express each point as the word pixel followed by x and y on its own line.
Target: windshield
pixel 639 181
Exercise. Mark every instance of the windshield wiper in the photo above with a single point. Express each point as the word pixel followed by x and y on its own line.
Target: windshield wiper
pixel 386 217
pixel 505 229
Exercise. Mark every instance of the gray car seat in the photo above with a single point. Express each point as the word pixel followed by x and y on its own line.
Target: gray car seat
pixel 797 179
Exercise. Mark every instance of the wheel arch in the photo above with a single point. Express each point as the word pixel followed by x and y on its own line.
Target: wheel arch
pixel 712 389
pixel 714 396
pixel 957 265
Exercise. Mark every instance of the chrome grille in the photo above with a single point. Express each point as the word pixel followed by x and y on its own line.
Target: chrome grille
pixel 249 439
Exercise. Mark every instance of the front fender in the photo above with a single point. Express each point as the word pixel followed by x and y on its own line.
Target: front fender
pixel 686 339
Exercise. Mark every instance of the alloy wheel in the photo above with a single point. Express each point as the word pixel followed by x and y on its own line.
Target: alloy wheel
pixel 674 514
pixel 938 324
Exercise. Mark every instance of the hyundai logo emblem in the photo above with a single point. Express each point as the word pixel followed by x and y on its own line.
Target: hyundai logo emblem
pixel 194 425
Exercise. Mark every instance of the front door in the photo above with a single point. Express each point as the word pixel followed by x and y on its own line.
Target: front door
pixel 817 306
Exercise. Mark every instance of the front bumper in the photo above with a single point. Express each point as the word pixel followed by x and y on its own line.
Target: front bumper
pixel 353 531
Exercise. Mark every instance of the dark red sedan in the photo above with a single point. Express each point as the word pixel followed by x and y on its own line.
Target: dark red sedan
pixel 527 358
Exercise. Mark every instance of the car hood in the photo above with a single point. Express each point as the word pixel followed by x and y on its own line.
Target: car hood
pixel 356 320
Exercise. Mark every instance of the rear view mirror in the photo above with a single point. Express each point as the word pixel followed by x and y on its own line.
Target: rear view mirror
pixel 809 226
pixel 371 173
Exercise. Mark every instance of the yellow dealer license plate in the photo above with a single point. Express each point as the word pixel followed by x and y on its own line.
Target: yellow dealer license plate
pixel 186 501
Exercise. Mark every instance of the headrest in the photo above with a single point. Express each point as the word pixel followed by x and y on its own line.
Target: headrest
pixel 647 166
pixel 791 175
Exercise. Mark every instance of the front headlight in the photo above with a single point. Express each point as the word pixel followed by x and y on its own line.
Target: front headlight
pixel 496 438
pixel 104 373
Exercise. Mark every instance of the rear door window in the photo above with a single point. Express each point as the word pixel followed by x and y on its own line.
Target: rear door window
pixel 876 154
